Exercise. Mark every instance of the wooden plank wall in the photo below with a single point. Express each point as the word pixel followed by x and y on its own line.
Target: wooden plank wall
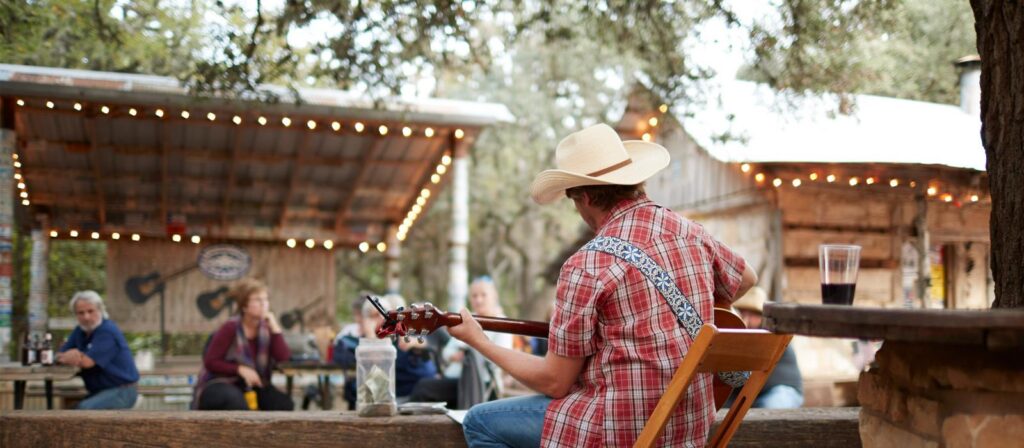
pixel 295 277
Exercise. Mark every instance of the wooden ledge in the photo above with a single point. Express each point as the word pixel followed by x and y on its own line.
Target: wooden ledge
pixel 817 427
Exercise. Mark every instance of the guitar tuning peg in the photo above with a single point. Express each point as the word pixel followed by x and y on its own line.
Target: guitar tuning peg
pixel 406 337
pixel 428 310
pixel 420 339
pixel 400 317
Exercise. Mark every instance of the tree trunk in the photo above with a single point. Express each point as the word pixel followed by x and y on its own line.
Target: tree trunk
pixel 1000 27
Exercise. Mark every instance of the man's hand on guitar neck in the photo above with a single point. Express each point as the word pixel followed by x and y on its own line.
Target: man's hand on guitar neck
pixel 469 331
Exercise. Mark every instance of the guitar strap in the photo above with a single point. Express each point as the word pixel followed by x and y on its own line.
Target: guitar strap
pixel 686 314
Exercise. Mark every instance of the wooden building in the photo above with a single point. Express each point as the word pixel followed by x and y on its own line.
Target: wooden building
pixel 776 176
pixel 189 193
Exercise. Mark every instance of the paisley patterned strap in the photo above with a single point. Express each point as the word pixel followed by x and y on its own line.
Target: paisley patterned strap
pixel 685 313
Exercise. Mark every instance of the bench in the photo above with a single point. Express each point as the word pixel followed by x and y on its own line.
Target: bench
pixel 817 427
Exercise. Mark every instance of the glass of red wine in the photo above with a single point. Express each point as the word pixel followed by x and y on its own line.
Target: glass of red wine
pixel 838 265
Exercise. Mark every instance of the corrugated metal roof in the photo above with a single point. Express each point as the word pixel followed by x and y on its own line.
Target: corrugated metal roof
pixel 750 122
pixel 116 153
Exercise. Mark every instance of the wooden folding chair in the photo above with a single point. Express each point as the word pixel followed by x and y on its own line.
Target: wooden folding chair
pixel 717 350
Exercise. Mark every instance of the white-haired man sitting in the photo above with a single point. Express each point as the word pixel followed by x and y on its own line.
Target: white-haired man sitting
pixel 99 348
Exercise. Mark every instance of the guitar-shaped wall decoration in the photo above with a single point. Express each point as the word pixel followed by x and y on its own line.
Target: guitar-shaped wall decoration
pixel 211 303
pixel 421 320
pixel 141 288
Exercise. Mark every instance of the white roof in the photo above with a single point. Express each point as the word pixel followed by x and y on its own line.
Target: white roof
pixel 767 126
pixel 16 79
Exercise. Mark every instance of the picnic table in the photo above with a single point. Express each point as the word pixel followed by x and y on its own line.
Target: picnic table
pixel 20 375
pixel 323 372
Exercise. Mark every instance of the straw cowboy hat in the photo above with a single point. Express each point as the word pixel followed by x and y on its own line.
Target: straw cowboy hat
pixel 596 156
pixel 753 300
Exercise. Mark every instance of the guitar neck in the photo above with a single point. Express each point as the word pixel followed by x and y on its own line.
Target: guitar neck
pixel 502 325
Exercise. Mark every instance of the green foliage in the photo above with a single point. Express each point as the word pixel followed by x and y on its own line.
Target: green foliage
pixel 75 266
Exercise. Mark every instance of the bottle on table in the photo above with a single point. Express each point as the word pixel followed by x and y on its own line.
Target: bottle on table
pixel 28 352
pixel 46 350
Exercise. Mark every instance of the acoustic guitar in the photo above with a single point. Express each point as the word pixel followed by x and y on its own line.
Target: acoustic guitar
pixel 421 320
pixel 141 288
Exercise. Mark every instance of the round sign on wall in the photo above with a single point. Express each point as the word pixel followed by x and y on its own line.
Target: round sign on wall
pixel 225 262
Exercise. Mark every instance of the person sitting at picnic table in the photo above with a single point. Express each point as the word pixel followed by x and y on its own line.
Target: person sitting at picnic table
pixel 484 301
pixel 412 361
pixel 98 347
pixel 241 356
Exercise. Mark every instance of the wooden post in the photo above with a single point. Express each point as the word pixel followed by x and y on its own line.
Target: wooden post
pixel 458 272
pixel 7 143
pixel 39 289
pixel 924 275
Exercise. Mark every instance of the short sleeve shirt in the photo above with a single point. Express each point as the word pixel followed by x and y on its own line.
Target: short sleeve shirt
pixel 608 312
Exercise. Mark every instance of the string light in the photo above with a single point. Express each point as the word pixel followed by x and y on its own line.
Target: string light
pixel 185 114
pixel 211 116
pixel 974 198
pixel 777 182
pixel 49 104
pixel 646 137
pixel 813 176
pixel 913 184
pixel 176 238
pixel 406 131
pixel 947 197
pixel 95 235
pixel 429 132
pixel 311 124
pixel 286 121
pixel 21 185
pixel 115 236
pixel 364 247
pixel 796 182
pixel 653 121
pixel 745 167
pixel 53 234
pixel 831 178
pixel 290 243
pixel 262 121
pixel 932 191
pixel 105 110
pixel 310 243
pixel 132 112
pixel 446 160
pixel 854 181
pixel 328 244
pixel 159 113
pixel 24 194
pixel 78 106
pixel 459 134
pixel 236 119
pixel 421 200
pixel 195 239
pixel 425 193
pixel 435 178
pixel 663 108
pixel 382 246
pixel 359 128
pixel 17 176
pixel 894 183
pixel 136 237
pixel 17 164
pixel 25 202
pixel 21 102
pixel 869 181
pixel 383 130
pixel 337 127
pixel 14 155
pixel 441 169
pixel 759 177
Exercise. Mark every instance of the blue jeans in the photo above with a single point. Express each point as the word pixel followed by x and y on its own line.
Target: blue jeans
pixel 511 422
pixel 113 398
pixel 779 397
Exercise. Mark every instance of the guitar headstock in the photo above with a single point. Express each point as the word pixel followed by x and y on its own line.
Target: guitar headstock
pixel 416 321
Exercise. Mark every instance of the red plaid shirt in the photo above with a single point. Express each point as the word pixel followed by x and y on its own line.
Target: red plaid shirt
pixel 609 313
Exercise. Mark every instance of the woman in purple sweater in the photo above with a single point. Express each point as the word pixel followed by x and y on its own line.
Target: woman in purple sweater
pixel 241 354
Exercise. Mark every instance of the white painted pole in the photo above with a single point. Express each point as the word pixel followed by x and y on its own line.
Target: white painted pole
pixel 458 270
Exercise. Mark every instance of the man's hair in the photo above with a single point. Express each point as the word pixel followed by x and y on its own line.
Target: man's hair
pixel 243 290
pixel 606 197
pixel 92 297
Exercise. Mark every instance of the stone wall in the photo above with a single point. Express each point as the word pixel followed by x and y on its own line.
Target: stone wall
pixel 937 395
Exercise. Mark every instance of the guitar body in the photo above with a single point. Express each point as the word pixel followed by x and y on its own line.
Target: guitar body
pixel 141 287
pixel 211 303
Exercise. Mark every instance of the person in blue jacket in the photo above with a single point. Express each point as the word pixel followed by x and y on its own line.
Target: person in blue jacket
pixel 100 350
